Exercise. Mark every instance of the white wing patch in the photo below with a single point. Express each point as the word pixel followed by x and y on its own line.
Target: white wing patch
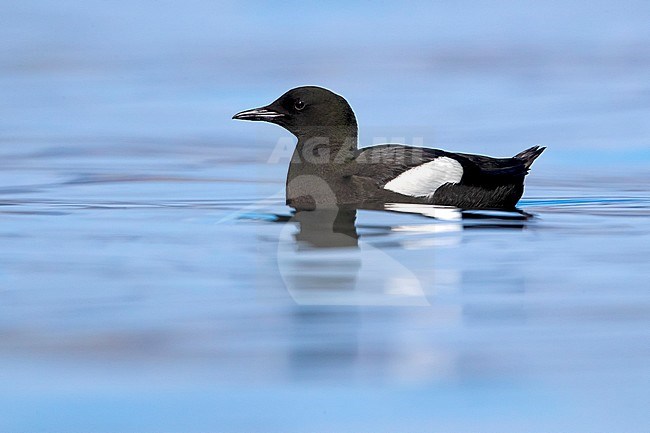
pixel 425 179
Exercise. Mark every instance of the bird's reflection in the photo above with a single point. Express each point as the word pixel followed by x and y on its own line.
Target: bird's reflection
pixel 318 256
pixel 333 274
pixel 337 228
pixel 327 228
pixel 324 261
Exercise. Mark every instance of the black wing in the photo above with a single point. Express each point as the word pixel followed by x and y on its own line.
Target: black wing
pixel 385 162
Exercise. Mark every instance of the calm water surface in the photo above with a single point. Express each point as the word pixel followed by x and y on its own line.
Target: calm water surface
pixel 154 293
pixel 152 280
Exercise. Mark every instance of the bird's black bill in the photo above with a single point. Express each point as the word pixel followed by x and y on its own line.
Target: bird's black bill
pixel 262 113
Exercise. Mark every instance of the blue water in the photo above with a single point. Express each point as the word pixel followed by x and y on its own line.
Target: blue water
pixel 152 280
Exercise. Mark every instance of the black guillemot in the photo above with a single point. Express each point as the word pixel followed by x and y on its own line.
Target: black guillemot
pixel 327 168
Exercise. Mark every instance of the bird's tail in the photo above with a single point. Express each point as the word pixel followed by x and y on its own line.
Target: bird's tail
pixel 530 155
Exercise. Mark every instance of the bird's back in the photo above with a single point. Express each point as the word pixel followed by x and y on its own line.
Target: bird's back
pixel 407 173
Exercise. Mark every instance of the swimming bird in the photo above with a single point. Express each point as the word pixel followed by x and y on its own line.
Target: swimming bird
pixel 328 169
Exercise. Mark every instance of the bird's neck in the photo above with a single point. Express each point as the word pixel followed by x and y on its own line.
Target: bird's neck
pixel 318 166
pixel 326 145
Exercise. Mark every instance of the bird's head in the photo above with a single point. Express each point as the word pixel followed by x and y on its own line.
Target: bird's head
pixel 306 111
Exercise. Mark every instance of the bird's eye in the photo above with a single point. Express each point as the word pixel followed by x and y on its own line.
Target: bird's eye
pixel 299 105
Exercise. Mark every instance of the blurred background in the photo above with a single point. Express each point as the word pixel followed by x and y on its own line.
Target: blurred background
pixel 143 286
